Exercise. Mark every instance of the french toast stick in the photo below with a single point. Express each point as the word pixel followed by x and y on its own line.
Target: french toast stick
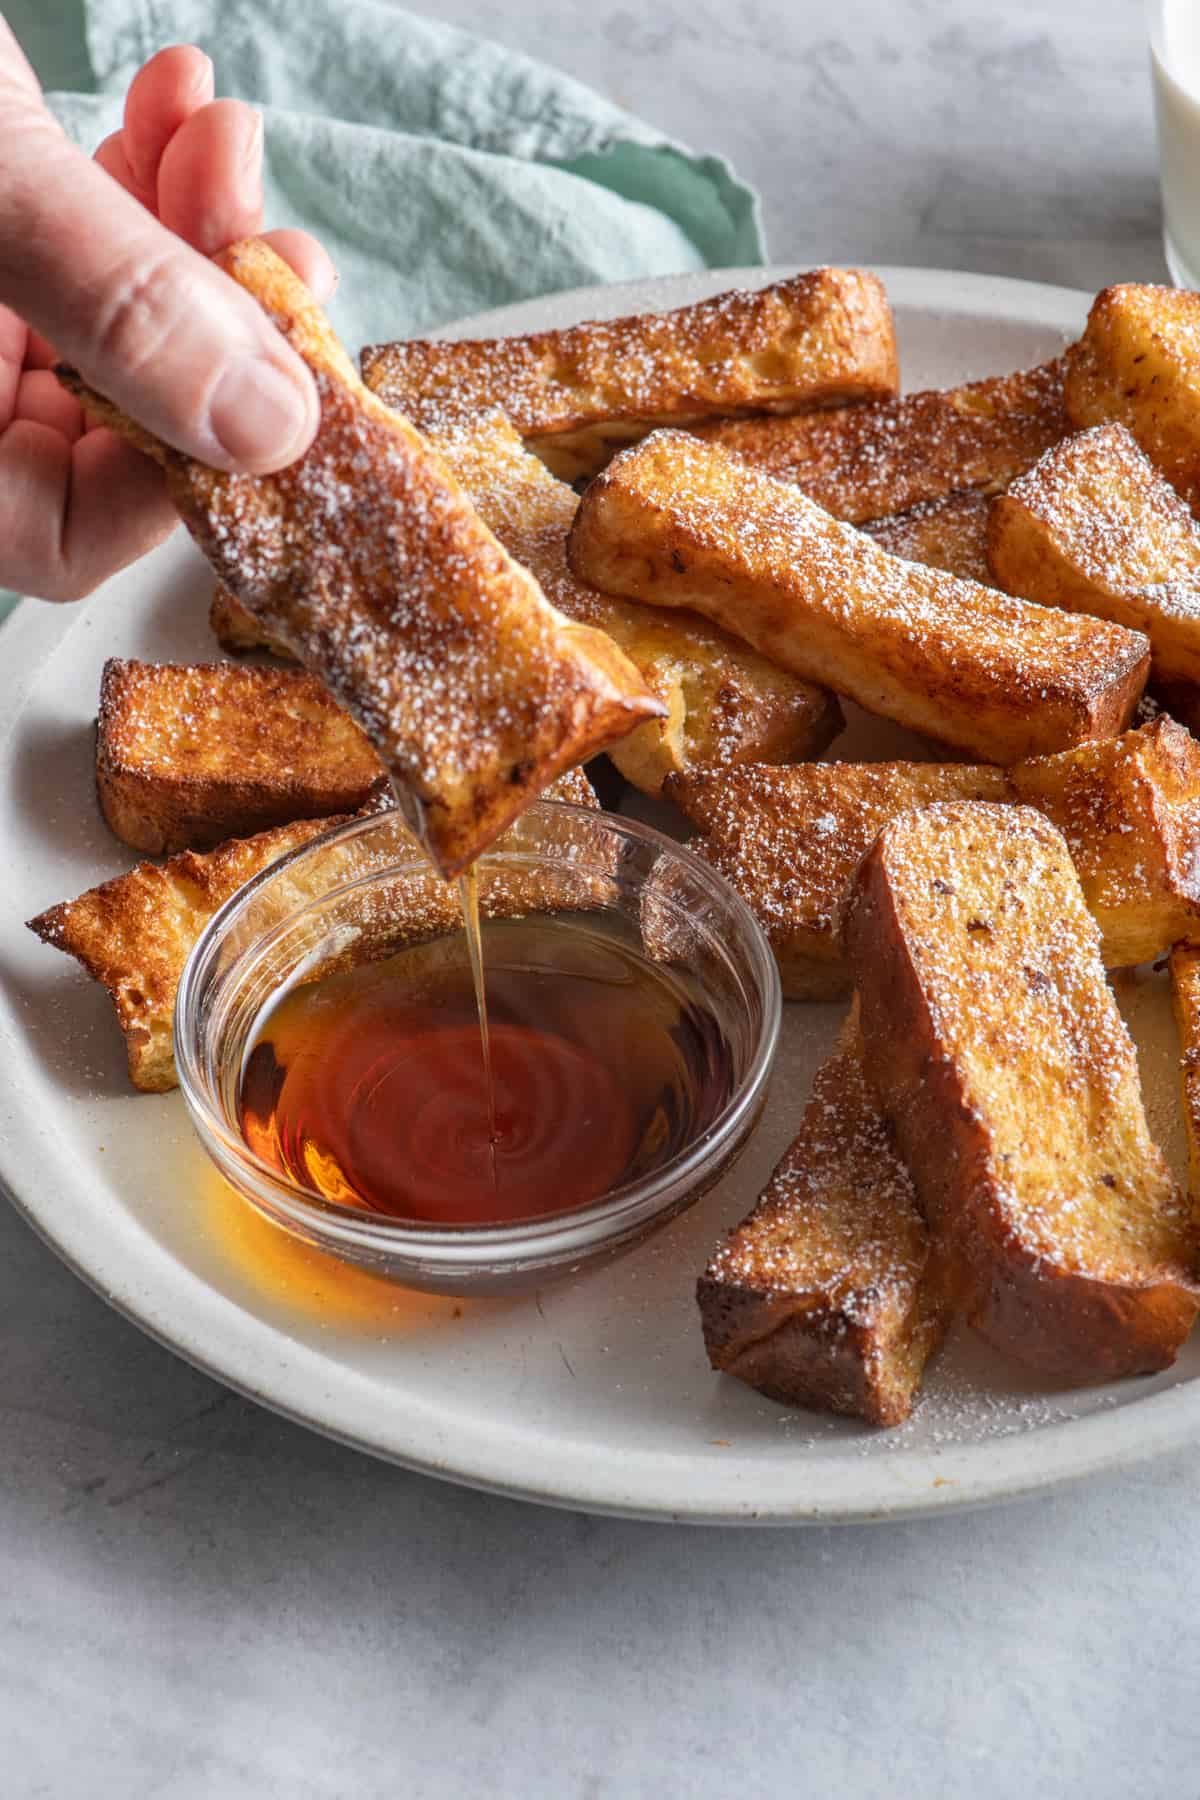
pixel 367 559
pixel 862 462
pixel 996 1048
pixel 949 534
pixel 724 703
pixel 578 394
pixel 1185 997
pixel 188 754
pixel 790 840
pixel 135 933
pixel 1138 364
pixel 827 1294
pixel 1094 528
pixel 675 521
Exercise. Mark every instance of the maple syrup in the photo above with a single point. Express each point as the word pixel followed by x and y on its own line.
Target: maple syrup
pixel 468 899
pixel 369 1085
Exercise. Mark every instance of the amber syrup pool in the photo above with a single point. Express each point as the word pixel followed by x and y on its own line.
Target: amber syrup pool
pixel 369 1086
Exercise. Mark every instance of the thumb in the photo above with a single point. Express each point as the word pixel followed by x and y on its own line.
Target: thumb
pixel 149 322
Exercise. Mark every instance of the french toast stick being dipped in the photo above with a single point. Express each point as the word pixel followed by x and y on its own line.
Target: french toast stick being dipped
pixel 790 839
pixel 828 1294
pixel 578 394
pixel 369 562
pixel 997 1051
pixel 679 522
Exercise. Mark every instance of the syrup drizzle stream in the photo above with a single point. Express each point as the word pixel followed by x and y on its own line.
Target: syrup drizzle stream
pixel 468 895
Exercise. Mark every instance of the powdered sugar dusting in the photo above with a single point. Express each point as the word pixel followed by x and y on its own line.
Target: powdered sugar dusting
pixel 864 462
pixel 369 561
pixel 1110 521
pixel 949 534
pixel 1011 1002
pixel 676 520
pixel 790 839
pixel 816 338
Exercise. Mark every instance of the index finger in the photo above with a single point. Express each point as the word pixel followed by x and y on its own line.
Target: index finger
pixel 162 96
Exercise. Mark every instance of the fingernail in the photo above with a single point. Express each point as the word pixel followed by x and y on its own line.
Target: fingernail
pixel 260 415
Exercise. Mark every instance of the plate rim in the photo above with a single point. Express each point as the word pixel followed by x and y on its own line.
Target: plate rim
pixel 852 1489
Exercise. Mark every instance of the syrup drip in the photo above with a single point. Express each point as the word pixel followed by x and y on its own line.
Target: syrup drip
pixel 468 896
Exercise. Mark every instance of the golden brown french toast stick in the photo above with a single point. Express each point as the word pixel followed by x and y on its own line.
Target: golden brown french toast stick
pixel 1138 364
pixel 862 462
pixel 134 934
pixel 368 561
pixel 827 1295
pixel 188 754
pixel 578 394
pixel 1093 527
pixel 998 1053
pixel 677 522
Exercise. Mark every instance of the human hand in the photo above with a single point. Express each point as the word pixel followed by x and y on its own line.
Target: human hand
pixel 107 261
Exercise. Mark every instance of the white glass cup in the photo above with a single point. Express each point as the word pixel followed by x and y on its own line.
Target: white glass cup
pixel 1175 66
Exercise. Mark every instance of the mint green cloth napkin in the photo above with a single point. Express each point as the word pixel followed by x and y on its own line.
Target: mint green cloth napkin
pixel 443 173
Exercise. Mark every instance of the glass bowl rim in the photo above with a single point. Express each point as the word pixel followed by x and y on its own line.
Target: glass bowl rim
pixel 395 1236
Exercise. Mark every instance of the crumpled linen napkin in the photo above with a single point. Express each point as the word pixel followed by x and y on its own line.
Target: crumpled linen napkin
pixel 445 174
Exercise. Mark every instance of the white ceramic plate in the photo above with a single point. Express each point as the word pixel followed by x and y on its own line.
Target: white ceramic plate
pixel 596 1394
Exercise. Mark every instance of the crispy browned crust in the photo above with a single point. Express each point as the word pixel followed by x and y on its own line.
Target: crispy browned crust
pixel 1093 527
pixel 999 1055
pixel 190 754
pixel 1138 363
pixel 134 934
pixel 949 534
pixel 827 1295
pixel 814 339
pixel 862 462
pixel 789 840
pixel 1129 809
pixel 678 522
pixel 368 560
pixel 724 703
pixel 1185 996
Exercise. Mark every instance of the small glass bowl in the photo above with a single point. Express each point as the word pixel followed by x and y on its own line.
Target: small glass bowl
pixel 365 889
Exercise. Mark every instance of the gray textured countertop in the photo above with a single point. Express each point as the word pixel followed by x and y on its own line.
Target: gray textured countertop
pixel 199 1600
